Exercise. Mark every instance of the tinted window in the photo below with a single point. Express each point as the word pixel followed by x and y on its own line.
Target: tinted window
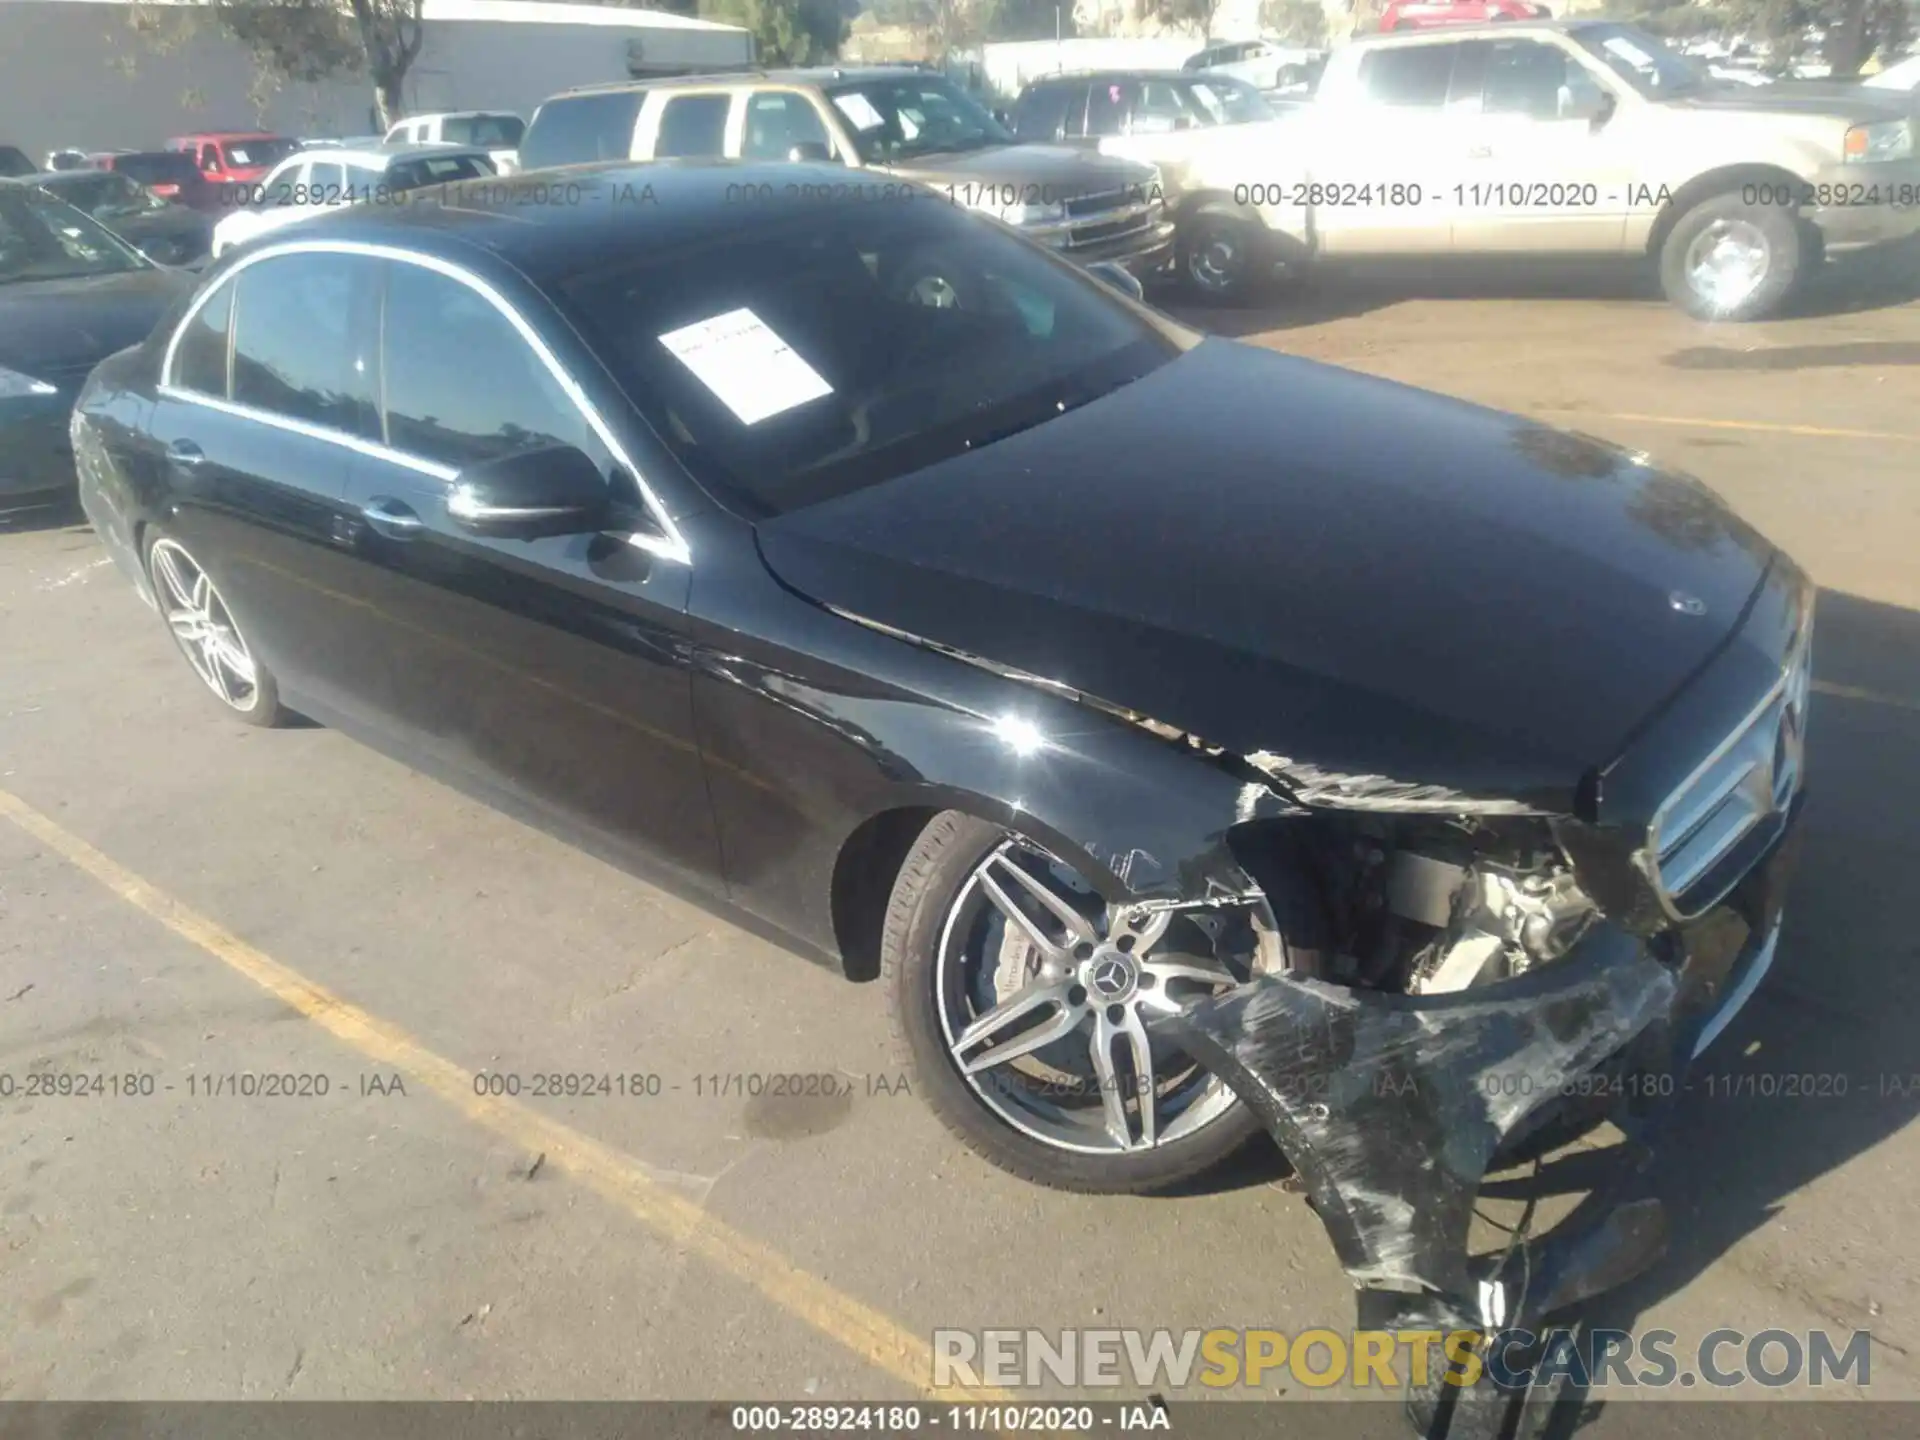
pixel 693 125
pixel 303 340
pixel 1107 107
pixel 436 170
pixel 200 358
pixel 461 383
pixel 1042 113
pixel 490 132
pixel 776 122
pixel 834 346
pixel 1414 75
pixel 157 169
pixel 578 129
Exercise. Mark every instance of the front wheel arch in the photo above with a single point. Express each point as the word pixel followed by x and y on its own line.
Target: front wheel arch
pixel 1726 179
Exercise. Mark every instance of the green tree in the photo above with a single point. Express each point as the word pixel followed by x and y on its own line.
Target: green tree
pixel 786 32
pixel 1298 22
pixel 311 40
pixel 1855 29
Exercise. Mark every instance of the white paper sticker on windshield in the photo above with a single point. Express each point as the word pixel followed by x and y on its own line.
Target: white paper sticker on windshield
pixel 1628 51
pixel 754 372
pixel 857 108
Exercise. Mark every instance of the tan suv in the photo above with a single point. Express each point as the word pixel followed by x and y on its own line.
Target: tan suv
pixel 902 122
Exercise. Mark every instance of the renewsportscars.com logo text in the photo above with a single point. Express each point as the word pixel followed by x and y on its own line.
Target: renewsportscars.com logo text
pixel 1390 1359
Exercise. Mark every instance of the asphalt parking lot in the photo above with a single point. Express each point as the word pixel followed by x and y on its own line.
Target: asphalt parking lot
pixel 184 898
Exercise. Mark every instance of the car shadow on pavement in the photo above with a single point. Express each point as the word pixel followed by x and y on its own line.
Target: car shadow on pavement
pixel 1877 280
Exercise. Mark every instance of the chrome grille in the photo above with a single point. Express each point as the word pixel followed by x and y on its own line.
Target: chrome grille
pixel 1097 219
pixel 1728 811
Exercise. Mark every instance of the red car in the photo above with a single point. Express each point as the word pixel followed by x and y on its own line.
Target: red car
pixel 1420 14
pixel 235 157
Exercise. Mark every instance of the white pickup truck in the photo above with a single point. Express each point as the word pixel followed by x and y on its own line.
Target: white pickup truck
pixel 1574 138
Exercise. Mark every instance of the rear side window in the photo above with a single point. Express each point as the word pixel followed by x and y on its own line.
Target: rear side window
pixel 461 383
pixel 579 129
pixel 778 120
pixel 693 125
pixel 303 341
pixel 200 358
pixel 1042 113
pixel 1414 76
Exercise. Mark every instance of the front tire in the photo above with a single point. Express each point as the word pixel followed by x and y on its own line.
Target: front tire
pixel 1003 1013
pixel 1728 260
pixel 1219 257
pixel 208 636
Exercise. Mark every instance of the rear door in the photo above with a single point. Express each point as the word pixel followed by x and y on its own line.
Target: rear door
pixel 269 387
pixel 690 125
pixel 553 670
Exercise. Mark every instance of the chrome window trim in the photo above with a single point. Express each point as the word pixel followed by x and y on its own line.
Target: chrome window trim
pixel 670 544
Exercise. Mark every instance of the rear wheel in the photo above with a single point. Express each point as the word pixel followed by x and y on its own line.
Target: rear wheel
pixel 1728 260
pixel 209 637
pixel 1021 1001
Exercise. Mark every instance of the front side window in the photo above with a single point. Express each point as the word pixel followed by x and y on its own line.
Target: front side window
pixel 283 186
pixel 324 182
pixel 200 354
pixel 899 118
pixel 778 120
pixel 1524 78
pixel 1041 114
pixel 835 347
pixel 462 384
pixel 303 340
pixel 693 126
pixel 1412 76
pixel 43 238
pixel 1160 106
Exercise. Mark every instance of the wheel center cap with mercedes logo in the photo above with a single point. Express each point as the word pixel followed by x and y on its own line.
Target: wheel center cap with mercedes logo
pixel 1112 976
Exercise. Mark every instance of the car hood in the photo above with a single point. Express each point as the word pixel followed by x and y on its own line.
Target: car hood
pixel 1855 103
pixel 51 327
pixel 1062 171
pixel 1298 562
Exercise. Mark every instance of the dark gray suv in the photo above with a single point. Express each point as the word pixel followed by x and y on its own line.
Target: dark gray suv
pixel 900 122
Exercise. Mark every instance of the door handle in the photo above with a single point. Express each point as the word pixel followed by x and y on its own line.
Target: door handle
pixel 185 452
pixel 392 518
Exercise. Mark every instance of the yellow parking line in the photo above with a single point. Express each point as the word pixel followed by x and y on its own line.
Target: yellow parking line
pixel 1854 692
pixel 609 1173
pixel 1767 427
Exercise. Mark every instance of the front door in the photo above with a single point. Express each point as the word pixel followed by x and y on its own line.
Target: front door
pixel 552 671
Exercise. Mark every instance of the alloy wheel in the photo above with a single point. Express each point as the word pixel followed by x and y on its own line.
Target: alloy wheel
pixel 1727 261
pixel 1215 261
pixel 203 627
pixel 1045 991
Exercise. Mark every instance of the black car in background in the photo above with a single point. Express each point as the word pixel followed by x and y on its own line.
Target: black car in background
pixel 71 293
pixel 165 231
pixel 167 173
pixel 1001 637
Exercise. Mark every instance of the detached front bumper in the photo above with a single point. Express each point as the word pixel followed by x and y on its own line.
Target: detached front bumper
pixel 1392 1108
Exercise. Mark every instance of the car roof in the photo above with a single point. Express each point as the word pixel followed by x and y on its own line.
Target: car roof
pixel 807 75
pixel 554 223
pixel 380 157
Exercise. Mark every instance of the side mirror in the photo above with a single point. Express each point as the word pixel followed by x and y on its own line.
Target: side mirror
pixel 556 490
pixel 808 150
pixel 1112 272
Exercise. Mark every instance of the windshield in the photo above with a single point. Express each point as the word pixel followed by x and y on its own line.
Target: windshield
pixel 902 116
pixel 811 356
pixel 107 195
pixel 1226 101
pixel 1640 59
pixel 43 239
pixel 270 150
pixel 492 132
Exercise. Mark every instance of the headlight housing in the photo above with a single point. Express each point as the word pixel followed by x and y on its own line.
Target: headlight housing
pixel 15 386
pixel 1887 140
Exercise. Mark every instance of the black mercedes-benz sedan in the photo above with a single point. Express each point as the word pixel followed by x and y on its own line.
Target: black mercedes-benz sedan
pixel 71 294
pixel 923 600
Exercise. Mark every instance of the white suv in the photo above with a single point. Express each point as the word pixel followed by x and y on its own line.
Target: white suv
pixel 315 181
